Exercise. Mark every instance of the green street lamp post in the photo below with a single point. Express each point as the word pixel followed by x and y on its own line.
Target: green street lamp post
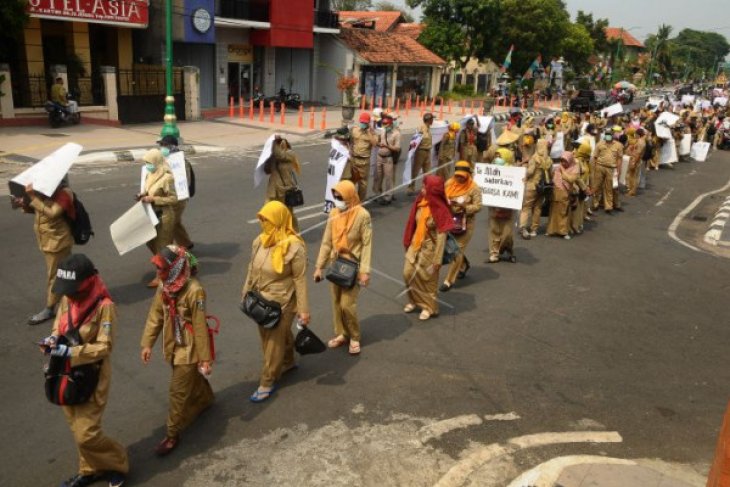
pixel 170 126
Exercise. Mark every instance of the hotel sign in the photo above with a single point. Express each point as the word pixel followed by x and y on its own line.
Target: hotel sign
pixel 124 13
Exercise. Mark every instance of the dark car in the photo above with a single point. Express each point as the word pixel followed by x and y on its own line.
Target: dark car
pixel 588 101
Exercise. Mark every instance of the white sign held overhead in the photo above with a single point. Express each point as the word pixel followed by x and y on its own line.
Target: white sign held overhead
pixel 412 147
pixel 502 186
pixel 46 174
pixel 663 123
pixel 176 161
pixel 558 146
pixel 339 154
pixel 259 175
pixel 615 109
pixel 134 228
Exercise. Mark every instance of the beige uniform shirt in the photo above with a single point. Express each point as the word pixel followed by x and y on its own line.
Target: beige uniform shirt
pixel 427 140
pixel 52 229
pixel 605 154
pixel 281 178
pixel 195 346
pixel 362 142
pixel 359 239
pixel 471 204
pixel 447 149
pixel 161 186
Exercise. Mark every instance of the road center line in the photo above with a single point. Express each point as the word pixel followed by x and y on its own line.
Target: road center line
pixel 664 198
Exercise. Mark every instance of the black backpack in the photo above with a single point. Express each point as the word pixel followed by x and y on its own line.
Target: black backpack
pixel 191 179
pixel 648 150
pixel 81 226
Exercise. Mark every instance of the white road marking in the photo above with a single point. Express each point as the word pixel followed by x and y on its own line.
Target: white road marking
pixel 511 416
pixel 547 474
pixel 672 230
pixel 436 430
pixel 713 236
pixel 664 198
pixel 459 473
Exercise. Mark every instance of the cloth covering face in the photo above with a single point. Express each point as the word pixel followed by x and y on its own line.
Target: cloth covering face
pixel 277 231
pixel 93 291
pixel 455 188
pixel 342 221
pixel 437 206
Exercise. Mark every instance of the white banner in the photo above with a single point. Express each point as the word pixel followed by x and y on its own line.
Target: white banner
pixel 612 110
pixel 176 161
pixel 662 124
pixel 720 100
pixel 46 174
pixel 699 151
pixel 558 147
pixel 412 147
pixel 259 175
pixel 685 145
pixel 502 186
pixel 339 154
pixel 134 228
pixel 688 99
pixel 668 153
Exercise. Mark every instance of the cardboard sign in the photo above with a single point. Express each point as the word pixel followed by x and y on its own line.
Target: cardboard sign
pixel 688 99
pixel 558 147
pixel 46 174
pixel 624 170
pixel 615 109
pixel 259 175
pixel 720 100
pixel 699 151
pixel 134 228
pixel 663 124
pixel 502 186
pixel 339 154
pixel 685 145
pixel 668 153
pixel 412 147
pixel 176 161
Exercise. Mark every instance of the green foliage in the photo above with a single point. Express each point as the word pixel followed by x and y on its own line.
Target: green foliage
pixel 13 18
pixel 661 51
pixel 697 52
pixel 351 4
pixel 577 46
pixel 467 90
pixel 391 7
pixel 596 29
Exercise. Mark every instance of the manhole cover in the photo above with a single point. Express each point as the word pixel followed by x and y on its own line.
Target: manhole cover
pixel 55 135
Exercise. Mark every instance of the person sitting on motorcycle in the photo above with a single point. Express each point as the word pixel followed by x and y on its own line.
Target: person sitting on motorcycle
pixel 59 95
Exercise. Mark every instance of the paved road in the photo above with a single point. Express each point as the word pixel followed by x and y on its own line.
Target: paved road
pixel 612 344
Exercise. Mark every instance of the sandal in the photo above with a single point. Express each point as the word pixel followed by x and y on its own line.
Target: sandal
pixel 354 348
pixel 467 266
pixel 166 446
pixel 445 287
pixel 337 341
pixel 513 259
pixel 425 315
pixel 409 308
pixel 261 396
pixel 493 260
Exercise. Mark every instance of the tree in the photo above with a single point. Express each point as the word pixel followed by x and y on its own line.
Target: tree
pixel 391 7
pixel 350 5
pixel 576 47
pixel 661 57
pixel 13 17
pixel 697 52
pixel 596 29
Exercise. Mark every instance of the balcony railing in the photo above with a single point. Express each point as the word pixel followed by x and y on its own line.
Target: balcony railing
pixel 257 10
pixel 326 18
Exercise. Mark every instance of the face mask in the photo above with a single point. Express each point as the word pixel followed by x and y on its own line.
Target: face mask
pixel 499 161
pixel 340 205
pixel 363 126
pixel 608 138
pixel 550 126
pixel 395 124
pixel 165 151
pixel 150 167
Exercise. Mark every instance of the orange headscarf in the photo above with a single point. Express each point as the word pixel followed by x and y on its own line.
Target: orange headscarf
pixel 421 228
pixel 453 187
pixel 342 221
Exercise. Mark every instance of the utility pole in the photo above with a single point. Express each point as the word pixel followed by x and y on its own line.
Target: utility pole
pixel 170 126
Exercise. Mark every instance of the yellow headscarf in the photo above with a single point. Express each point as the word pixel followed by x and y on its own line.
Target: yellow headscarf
pixel 584 151
pixel 277 231
pixel 342 221
pixel 453 187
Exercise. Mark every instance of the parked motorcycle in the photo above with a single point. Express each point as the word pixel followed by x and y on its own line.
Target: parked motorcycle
pixel 288 99
pixel 59 114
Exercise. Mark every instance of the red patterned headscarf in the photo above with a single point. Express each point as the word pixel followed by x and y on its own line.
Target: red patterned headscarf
pixel 437 203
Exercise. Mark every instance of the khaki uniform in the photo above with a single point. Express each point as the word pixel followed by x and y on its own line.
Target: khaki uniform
pixel 636 151
pixel 385 169
pixel 422 285
pixel 561 214
pixel 467 146
pixel 581 208
pixel 470 206
pixel 447 151
pixel 281 178
pixel 532 203
pixel 528 144
pixel 55 240
pixel 357 169
pixel 344 301
pixel 97 452
pixel 161 186
pixel 190 393
pixel 501 235
pixel 289 289
pixel 606 156
pixel 422 159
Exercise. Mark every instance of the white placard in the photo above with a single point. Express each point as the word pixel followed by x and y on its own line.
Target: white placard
pixel 685 145
pixel 412 147
pixel 624 170
pixel 558 147
pixel 46 174
pixel 688 99
pixel 176 161
pixel 612 110
pixel 259 175
pixel 662 124
pixel 339 154
pixel 134 228
pixel 720 100
pixel 438 129
pixel 668 153
pixel 699 151
pixel 502 186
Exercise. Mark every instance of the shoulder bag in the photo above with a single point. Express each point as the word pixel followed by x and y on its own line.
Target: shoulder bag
pixel 264 312
pixel 343 272
pixel 293 197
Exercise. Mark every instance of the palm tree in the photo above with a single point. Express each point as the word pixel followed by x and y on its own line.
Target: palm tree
pixel 661 57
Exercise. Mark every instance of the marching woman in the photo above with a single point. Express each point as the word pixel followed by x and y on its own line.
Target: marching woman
pixel 566 175
pixel 538 169
pixel 465 200
pixel 159 191
pixel 348 235
pixel 425 240
pixel 282 168
pixel 583 162
pixel 276 271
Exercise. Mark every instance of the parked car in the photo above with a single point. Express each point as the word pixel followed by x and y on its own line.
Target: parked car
pixel 588 101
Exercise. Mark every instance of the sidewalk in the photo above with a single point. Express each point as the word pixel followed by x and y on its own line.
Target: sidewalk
pixel 630 474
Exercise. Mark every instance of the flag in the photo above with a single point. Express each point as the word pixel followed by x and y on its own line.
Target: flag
pixel 508 59
pixel 533 67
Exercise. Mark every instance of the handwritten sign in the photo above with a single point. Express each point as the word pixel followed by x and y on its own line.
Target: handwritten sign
pixel 337 162
pixel 502 186
pixel 176 161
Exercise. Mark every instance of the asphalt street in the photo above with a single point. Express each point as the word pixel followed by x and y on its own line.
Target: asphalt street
pixel 622 329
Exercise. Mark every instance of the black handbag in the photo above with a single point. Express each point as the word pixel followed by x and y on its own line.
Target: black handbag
pixel 343 272
pixel 66 385
pixel 306 342
pixel 293 197
pixel 264 312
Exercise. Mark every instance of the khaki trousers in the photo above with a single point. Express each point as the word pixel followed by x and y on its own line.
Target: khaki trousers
pixel 278 347
pixel 165 230
pixel 444 169
pixel 603 185
pixel 344 311
pixel 422 286
pixel 97 452
pixel 52 261
pixel 463 240
pixel 384 173
pixel 362 165
pixel 421 164
pixel 179 233
pixel 501 236
pixel 531 210
pixel 632 178
pixel 190 395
